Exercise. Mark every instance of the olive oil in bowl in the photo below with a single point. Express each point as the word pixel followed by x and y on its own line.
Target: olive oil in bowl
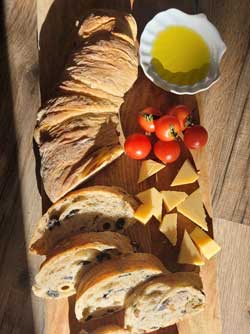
pixel 180 56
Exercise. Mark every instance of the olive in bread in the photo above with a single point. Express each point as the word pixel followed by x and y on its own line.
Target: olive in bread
pixel 103 288
pixel 72 257
pixel 92 209
pixel 163 301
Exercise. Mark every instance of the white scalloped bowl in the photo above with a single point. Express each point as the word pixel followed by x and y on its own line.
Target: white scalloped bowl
pixel 200 24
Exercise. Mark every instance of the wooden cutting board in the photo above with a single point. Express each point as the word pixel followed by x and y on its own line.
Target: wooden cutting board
pixel 56 28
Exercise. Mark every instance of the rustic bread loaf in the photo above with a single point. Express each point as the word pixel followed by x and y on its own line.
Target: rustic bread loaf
pixel 78 129
pixel 71 258
pixel 163 301
pixel 92 209
pixel 103 288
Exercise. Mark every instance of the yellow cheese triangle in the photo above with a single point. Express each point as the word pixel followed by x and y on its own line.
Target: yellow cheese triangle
pixel 207 246
pixel 186 175
pixel 149 168
pixel 168 227
pixel 153 197
pixel 143 213
pixel 189 254
pixel 173 198
pixel 192 208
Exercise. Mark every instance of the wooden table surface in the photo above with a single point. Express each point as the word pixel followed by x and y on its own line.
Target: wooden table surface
pixel 226 116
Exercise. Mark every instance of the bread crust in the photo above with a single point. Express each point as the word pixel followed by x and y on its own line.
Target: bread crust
pixel 90 240
pixel 90 248
pixel 109 20
pixel 91 88
pixel 59 109
pixel 128 263
pixel 38 242
pixel 111 271
pixel 164 288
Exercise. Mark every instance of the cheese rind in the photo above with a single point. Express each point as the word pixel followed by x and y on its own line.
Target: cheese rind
pixel 189 254
pixel 149 168
pixel 193 209
pixel 144 213
pixel 186 175
pixel 168 227
pixel 173 198
pixel 154 198
pixel 207 246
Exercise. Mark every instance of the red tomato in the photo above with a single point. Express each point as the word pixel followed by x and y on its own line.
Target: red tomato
pixel 167 128
pixel 195 137
pixel 167 151
pixel 146 118
pixel 183 114
pixel 137 146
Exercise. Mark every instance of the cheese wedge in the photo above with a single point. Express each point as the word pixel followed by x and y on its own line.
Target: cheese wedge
pixel 149 168
pixel 189 254
pixel 192 208
pixel 173 198
pixel 154 198
pixel 207 246
pixel 186 175
pixel 168 227
pixel 144 213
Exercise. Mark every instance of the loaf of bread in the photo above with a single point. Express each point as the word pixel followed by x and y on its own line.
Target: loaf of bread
pixel 71 258
pixel 77 130
pixel 103 288
pixel 92 209
pixel 163 301
pixel 108 329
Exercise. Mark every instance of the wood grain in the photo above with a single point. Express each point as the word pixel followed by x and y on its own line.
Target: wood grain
pixel 233 273
pixel 227 112
pixel 59 20
pixel 20 201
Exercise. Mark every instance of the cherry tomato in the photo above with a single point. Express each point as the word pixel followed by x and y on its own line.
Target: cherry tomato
pixel 183 114
pixel 137 146
pixel 146 118
pixel 167 152
pixel 167 128
pixel 195 137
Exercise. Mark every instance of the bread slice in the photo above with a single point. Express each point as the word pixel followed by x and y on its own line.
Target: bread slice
pixel 92 209
pixel 71 258
pixel 103 288
pixel 108 329
pixel 163 301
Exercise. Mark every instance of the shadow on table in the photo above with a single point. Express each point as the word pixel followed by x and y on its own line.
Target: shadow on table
pixel 15 293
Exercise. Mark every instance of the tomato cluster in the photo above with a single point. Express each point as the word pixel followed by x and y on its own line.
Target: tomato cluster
pixel 167 128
